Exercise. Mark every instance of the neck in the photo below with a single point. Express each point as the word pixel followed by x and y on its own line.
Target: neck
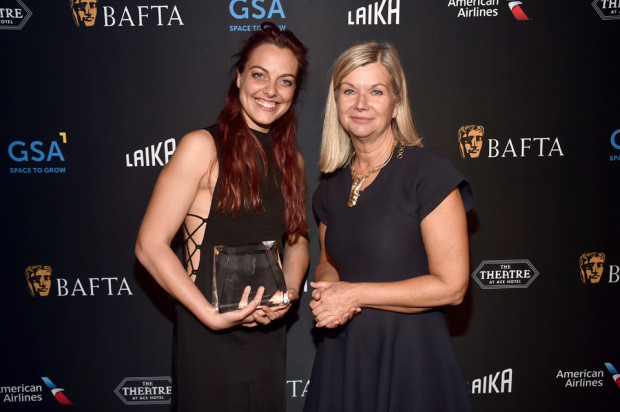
pixel 371 155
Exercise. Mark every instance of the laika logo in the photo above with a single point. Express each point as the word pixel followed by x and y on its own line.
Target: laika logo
pixel 85 13
pixel 39 279
pixel 614 373
pixel 13 14
pixel 499 382
pixel 607 9
pixel 385 13
pixel 592 269
pixel 57 392
pixel 505 274
pixel 486 8
pixel 145 391
pixel 40 152
pixel 153 155
pixel 470 139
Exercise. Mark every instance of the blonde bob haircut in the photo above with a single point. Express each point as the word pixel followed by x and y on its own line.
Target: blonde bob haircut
pixel 336 147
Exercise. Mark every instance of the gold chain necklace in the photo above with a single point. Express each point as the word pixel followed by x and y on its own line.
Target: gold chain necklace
pixel 359 180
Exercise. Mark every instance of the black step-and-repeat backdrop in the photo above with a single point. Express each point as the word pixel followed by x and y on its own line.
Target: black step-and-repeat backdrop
pixel 522 96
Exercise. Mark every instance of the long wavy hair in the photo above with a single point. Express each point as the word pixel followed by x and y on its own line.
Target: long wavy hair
pixel 241 156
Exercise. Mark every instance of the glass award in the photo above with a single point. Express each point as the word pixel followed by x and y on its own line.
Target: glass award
pixel 255 265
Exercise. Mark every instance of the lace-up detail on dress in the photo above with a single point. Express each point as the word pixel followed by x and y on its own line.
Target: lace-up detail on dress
pixel 193 245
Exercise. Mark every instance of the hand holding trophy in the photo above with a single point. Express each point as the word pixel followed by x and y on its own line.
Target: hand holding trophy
pixel 237 267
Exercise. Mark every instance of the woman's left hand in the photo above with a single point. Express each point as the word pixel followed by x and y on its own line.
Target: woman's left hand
pixel 334 303
pixel 264 315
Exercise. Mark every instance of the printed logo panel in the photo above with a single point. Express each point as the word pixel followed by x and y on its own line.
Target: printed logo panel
pixel 40 284
pixel 607 9
pixel 473 144
pixel 505 274
pixel 386 12
pixel 36 156
pixel 592 269
pixel 499 382
pixel 13 14
pixel 109 13
pixel 488 8
pixel 145 391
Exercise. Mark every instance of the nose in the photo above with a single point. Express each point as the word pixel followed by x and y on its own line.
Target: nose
pixel 361 102
pixel 270 90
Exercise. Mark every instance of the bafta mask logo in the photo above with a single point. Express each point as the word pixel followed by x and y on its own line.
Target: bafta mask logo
pixel 39 280
pixel 591 265
pixel 84 12
pixel 470 141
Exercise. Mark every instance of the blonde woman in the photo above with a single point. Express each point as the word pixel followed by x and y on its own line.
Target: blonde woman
pixel 394 250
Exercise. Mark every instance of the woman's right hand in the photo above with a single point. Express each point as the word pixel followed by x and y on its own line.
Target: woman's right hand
pixel 244 315
pixel 333 303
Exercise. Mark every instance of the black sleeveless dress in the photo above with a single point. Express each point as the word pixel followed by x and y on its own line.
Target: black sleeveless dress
pixel 384 361
pixel 240 369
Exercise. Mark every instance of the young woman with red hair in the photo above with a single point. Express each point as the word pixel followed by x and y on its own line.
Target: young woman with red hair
pixel 238 182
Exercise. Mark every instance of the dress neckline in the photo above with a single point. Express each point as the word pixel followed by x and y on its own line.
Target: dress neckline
pixel 376 184
pixel 263 138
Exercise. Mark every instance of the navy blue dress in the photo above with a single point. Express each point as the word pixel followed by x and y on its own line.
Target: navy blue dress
pixel 386 361
pixel 240 369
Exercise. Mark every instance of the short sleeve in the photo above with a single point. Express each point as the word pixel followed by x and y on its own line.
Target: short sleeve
pixel 319 201
pixel 436 178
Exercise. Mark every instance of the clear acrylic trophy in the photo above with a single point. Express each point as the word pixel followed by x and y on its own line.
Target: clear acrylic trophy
pixel 255 265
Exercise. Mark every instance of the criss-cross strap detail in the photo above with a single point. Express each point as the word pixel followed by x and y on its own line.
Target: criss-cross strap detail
pixel 192 245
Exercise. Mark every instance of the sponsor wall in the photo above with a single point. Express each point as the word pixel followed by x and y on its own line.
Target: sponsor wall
pixel 522 96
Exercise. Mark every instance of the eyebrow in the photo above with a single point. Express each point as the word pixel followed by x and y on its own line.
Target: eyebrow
pixel 267 71
pixel 372 86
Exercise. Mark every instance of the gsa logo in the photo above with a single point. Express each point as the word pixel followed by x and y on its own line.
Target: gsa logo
pixel 244 9
pixel 37 151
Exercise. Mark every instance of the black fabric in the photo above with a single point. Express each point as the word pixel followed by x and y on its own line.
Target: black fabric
pixel 240 369
pixel 381 360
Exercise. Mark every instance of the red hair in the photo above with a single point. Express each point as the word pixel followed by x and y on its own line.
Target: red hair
pixel 241 155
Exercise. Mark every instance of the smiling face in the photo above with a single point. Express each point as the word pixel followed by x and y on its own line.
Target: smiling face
pixel 366 102
pixel 267 85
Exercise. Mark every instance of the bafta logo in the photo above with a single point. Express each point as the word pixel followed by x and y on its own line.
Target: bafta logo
pixel 470 141
pixel 591 265
pixel 84 12
pixel 39 278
